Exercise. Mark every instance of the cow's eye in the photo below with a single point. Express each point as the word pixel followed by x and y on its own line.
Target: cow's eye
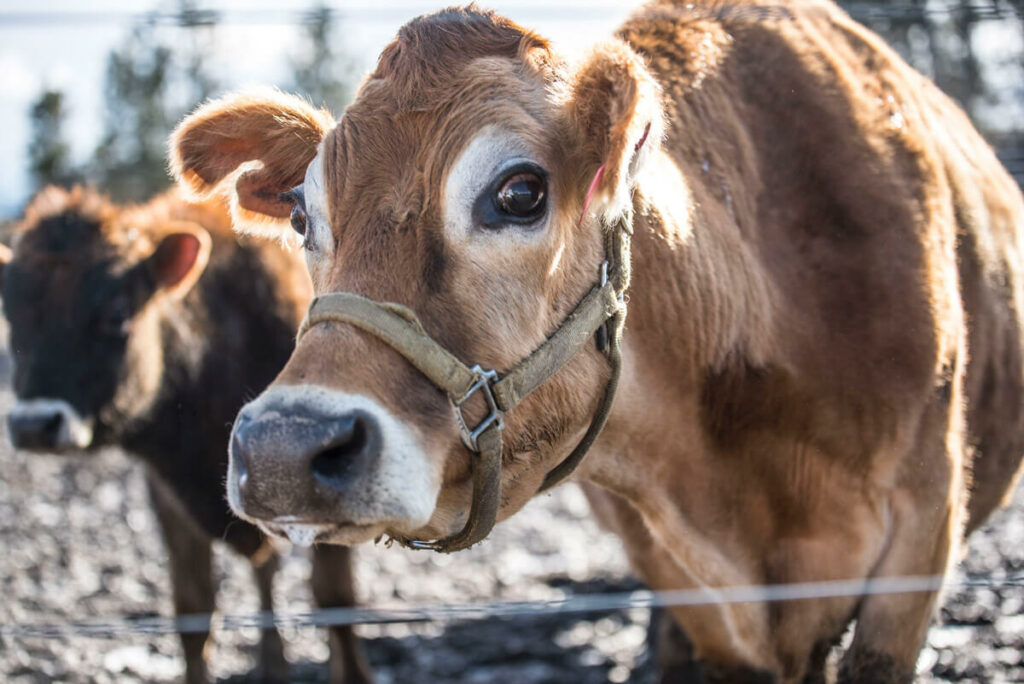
pixel 522 195
pixel 298 219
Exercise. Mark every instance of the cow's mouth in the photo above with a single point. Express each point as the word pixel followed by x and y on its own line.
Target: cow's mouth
pixel 305 534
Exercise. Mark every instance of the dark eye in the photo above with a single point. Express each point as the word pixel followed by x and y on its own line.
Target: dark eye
pixel 298 219
pixel 297 198
pixel 522 195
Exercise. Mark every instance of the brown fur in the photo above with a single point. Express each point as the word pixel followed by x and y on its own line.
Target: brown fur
pixel 826 273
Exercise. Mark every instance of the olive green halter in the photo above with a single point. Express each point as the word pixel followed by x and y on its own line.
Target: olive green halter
pixel 602 312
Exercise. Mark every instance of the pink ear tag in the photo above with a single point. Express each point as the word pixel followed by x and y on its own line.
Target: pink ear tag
pixel 590 191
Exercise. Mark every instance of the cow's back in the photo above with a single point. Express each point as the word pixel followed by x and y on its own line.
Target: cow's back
pixel 879 216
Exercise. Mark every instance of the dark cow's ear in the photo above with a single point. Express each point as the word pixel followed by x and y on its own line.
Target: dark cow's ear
pixel 261 143
pixel 5 258
pixel 180 258
pixel 616 109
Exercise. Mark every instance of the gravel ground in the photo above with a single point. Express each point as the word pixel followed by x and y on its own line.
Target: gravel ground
pixel 78 540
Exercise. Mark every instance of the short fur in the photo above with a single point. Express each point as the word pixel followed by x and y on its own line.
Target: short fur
pixel 824 331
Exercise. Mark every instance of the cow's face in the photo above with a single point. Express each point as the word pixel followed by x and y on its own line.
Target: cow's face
pixel 84 294
pixel 453 185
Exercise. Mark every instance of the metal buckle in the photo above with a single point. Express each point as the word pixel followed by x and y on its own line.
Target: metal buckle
pixel 601 335
pixel 484 380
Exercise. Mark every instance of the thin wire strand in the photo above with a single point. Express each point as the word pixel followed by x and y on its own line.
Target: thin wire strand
pixel 108 628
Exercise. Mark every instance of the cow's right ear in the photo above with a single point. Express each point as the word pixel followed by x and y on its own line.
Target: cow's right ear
pixel 180 258
pixel 263 142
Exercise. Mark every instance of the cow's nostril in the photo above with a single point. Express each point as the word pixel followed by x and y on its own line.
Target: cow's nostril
pixel 336 465
pixel 51 427
pixel 238 457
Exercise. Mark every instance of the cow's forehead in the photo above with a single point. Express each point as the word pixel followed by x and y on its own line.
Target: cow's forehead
pixel 382 148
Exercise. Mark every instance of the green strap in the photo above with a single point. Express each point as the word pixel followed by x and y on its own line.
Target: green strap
pixel 564 469
pixel 578 329
pixel 399 328
pixel 483 512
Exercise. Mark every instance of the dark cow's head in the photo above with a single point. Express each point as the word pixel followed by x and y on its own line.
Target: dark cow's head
pixel 82 292
pixel 454 186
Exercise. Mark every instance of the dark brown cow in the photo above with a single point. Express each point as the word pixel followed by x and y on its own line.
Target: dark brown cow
pixel 824 319
pixel 147 327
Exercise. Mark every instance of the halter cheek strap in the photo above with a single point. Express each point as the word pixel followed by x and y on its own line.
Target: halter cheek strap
pixel 602 311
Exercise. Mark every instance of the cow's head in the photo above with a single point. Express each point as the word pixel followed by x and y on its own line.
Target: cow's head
pixel 83 292
pixel 454 186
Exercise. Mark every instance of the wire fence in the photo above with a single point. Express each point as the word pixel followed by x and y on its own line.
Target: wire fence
pixel 113 627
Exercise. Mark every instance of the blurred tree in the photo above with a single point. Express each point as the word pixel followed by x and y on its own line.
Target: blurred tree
pixel 130 158
pixel 199 25
pixel 48 153
pixel 150 85
pixel 320 73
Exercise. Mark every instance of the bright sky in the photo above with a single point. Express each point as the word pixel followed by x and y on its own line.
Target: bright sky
pixel 251 49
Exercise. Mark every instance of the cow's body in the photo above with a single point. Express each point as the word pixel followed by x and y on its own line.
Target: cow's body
pixel 823 335
pixel 188 363
pixel 800 325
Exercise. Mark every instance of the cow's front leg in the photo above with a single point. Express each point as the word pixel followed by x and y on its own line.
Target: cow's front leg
pixel 272 664
pixel 192 584
pixel 334 586
pixel 926 516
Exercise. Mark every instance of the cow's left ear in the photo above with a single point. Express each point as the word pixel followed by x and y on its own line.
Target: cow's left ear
pixel 616 109
pixel 180 258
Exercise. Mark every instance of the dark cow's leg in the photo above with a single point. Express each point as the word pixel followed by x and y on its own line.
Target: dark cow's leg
pixel 816 665
pixel 272 664
pixel 674 655
pixel 334 585
pixel 192 583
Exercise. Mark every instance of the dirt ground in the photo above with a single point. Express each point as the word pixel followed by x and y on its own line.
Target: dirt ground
pixel 78 540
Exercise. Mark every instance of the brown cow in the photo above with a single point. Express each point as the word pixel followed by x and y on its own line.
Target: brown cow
pixel 819 236
pixel 147 327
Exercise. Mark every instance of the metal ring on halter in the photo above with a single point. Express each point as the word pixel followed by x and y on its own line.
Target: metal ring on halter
pixel 484 380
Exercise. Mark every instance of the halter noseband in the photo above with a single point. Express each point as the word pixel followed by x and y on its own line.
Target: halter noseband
pixel 602 312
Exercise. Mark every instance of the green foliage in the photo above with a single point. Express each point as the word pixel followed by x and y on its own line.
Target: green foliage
pixel 48 152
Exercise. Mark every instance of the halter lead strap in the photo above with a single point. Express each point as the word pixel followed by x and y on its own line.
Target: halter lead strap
pixel 602 308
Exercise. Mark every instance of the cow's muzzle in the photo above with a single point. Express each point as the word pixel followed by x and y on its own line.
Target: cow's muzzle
pixel 307 459
pixel 48 425
pixel 300 455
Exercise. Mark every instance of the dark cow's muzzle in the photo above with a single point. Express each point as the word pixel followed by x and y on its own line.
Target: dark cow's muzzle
pixel 47 425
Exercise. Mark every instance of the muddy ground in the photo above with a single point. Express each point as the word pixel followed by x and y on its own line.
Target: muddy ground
pixel 77 540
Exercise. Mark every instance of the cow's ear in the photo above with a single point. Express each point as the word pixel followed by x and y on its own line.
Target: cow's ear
pixel 616 110
pixel 258 143
pixel 5 258
pixel 179 259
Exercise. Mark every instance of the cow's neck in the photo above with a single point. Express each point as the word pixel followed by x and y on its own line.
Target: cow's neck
pixel 698 302
pixel 698 296
pixel 179 410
